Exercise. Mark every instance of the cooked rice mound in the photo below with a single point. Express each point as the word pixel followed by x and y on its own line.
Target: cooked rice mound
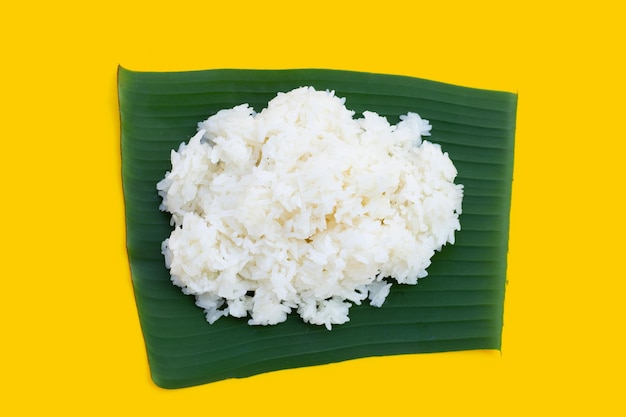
pixel 301 207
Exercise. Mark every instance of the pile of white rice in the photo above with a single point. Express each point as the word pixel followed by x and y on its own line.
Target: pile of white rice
pixel 303 208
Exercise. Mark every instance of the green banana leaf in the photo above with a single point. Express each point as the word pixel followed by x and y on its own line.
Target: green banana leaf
pixel 459 306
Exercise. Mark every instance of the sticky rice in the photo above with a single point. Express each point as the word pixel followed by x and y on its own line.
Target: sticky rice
pixel 304 208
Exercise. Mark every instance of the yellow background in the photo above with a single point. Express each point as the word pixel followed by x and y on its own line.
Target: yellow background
pixel 71 341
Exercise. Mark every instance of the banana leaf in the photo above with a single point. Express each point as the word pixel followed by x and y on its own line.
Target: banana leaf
pixel 459 306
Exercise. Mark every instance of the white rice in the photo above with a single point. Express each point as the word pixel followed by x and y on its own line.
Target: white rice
pixel 303 208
